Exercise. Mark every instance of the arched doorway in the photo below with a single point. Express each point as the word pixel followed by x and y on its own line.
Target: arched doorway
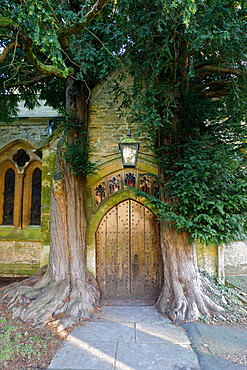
pixel 128 253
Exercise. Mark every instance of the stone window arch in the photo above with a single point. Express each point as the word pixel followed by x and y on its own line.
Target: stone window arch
pixel 20 186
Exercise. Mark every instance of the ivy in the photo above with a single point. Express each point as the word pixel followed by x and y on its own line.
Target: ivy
pixel 77 147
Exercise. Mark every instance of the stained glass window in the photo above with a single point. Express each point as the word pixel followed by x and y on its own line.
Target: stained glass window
pixel 100 193
pixel 114 184
pixel 130 179
pixel 9 197
pixel 145 184
pixel 36 198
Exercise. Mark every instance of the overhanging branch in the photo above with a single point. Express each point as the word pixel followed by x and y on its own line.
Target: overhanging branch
pixel 6 52
pixel 212 69
pixel 26 42
pixel 25 83
pixel 214 94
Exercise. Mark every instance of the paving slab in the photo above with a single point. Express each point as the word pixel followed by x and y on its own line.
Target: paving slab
pixel 155 356
pixel 161 333
pixel 105 332
pixel 129 314
pixel 127 338
pixel 77 354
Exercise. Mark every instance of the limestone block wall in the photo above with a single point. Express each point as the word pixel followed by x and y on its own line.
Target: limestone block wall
pixel 34 131
pixel 20 251
pixel 109 125
pixel 20 244
pixel 236 258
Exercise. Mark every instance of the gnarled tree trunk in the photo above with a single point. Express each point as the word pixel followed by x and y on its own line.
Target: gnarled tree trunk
pixel 183 296
pixel 67 291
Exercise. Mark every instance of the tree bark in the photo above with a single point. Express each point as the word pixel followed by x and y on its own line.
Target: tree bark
pixel 183 295
pixel 67 291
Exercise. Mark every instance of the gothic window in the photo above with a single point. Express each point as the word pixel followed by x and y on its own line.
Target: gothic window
pixel 114 184
pixel 145 184
pixel 36 198
pixel 130 179
pixel 100 193
pixel 9 197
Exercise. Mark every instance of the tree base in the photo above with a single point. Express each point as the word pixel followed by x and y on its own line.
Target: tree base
pixel 192 302
pixel 40 300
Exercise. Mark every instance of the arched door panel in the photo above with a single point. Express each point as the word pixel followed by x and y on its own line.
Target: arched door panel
pixel 129 261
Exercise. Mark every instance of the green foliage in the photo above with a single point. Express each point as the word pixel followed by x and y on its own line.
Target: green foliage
pixel 206 191
pixel 77 156
pixel 182 56
pixel 77 147
pixel 86 55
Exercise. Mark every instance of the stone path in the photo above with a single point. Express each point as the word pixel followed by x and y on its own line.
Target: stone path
pixel 126 338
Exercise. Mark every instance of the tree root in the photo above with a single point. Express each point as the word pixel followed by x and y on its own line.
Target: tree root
pixel 190 302
pixel 40 299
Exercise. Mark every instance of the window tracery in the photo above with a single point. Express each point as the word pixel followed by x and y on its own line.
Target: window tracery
pixel 114 184
pixel 100 192
pixel 130 179
pixel 145 184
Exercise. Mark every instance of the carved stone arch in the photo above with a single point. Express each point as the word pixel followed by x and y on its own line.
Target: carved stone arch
pixel 23 178
pixel 99 214
pixel 21 142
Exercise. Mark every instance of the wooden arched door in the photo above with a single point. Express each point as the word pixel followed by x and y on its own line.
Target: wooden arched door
pixel 129 261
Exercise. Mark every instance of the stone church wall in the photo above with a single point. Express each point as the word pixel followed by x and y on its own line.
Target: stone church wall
pixel 21 246
pixel 236 258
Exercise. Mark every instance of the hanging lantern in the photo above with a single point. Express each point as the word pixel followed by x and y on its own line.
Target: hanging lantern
pixel 129 151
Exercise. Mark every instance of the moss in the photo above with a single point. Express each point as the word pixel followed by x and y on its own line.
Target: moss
pixel 46 193
pixel 27 234
pixel 45 240
pixel 16 269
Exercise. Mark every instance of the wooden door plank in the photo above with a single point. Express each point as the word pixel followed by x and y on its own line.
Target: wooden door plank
pixel 123 289
pixel 100 256
pixel 137 248
pixel 152 255
pixel 111 253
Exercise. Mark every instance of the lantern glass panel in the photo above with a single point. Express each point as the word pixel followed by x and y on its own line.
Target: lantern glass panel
pixel 129 154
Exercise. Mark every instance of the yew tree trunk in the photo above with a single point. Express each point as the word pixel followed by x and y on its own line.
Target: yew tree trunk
pixel 67 292
pixel 183 296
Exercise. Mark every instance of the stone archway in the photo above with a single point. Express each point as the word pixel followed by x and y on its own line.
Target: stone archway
pixel 128 254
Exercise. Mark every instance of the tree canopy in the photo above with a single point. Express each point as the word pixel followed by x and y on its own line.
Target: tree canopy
pixel 188 64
